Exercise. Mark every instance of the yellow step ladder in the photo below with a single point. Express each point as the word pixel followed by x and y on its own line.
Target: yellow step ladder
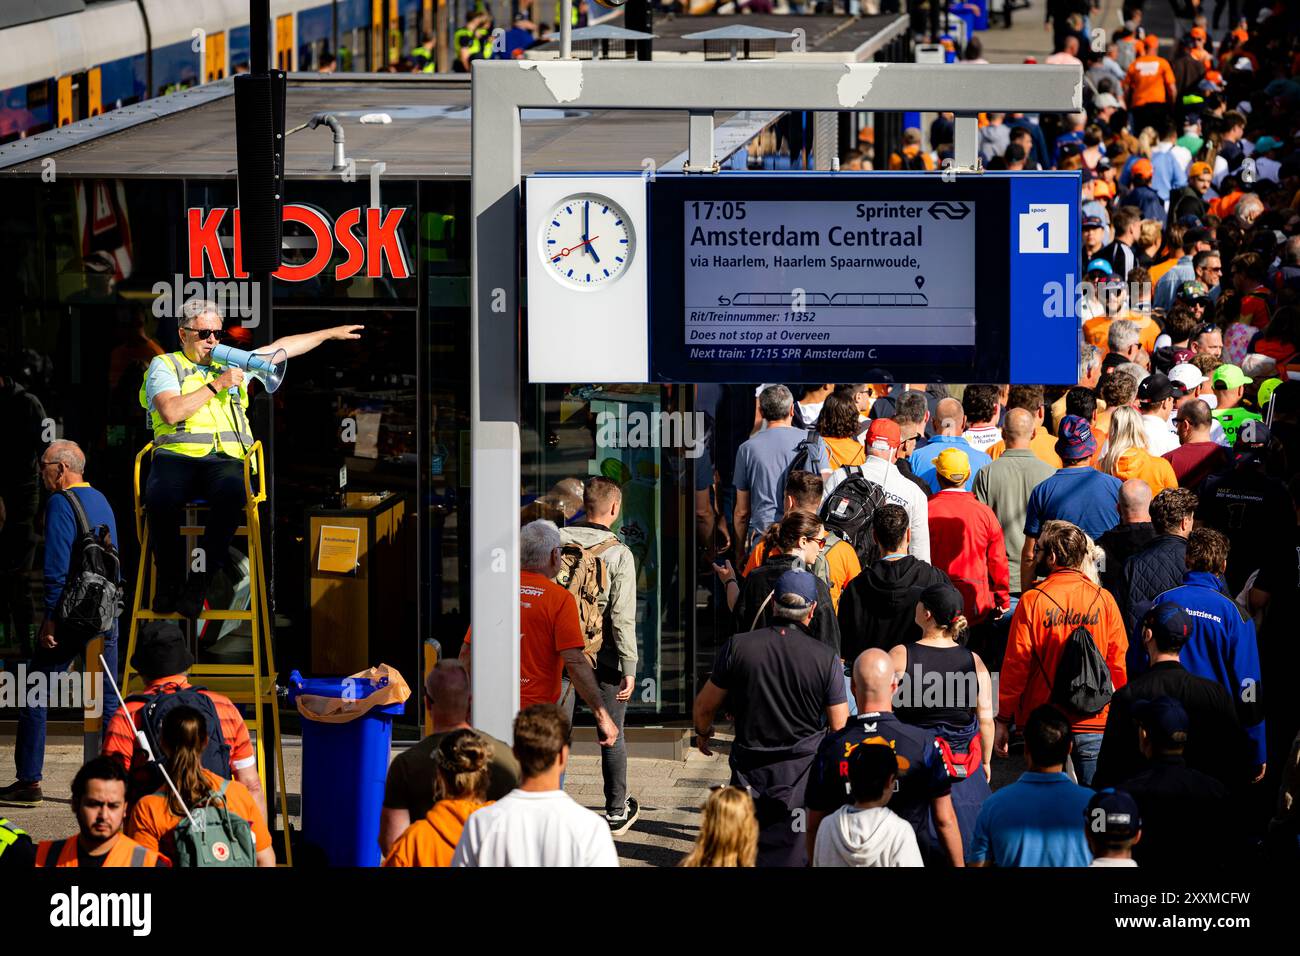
pixel 251 684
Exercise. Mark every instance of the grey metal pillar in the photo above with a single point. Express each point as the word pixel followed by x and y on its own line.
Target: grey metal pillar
pixel 966 141
pixel 826 139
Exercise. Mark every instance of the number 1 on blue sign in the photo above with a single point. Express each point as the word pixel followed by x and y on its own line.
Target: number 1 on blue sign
pixel 1042 227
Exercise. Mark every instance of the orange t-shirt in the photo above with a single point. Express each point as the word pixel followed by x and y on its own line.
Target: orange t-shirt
pixel 841 561
pixel 1095 331
pixel 1160 268
pixel 1043 445
pixel 1148 80
pixel 152 822
pixel 844 451
pixel 1137 463
pixel 548 624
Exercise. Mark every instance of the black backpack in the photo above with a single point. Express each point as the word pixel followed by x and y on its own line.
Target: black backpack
pixel 1082 684
pixel 849 509
pixel 92 592
pixel 216 756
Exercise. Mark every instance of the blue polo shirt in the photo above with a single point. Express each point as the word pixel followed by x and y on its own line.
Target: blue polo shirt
pixel 1036 821
pixel 1082 496
pixel 922 460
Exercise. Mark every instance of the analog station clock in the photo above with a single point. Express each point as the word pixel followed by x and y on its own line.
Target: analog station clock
pixel 587 241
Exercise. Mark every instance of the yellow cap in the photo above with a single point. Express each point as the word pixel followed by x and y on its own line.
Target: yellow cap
pixel 952 464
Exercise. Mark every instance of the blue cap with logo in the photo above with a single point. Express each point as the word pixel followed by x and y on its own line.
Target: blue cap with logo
pixel 1113 815
pixel 800 583
pixel 1161 718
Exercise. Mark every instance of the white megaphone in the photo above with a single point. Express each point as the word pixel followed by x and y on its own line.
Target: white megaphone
pixel 271 365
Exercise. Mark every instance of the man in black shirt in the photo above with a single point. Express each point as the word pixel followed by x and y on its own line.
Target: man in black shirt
pixel 783 688
pixel 878 607
pixel 1128 537
pixel 1251 508
pixel 1187 818
pixel 923 789
pixel 1217 744
pixel 1160 566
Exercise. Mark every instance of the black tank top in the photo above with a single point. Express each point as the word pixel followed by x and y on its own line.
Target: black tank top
pixel 939 687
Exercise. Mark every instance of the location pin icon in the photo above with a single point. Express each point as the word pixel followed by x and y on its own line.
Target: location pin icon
pixel 920 281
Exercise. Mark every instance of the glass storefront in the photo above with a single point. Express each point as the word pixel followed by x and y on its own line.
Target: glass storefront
pixel 392 411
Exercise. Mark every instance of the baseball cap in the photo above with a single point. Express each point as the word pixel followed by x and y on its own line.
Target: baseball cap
pixel 1187 375
pixel 1254 433
pixel 1196 235
pixel 1101 266
pixel 1229 376
pixel 1170 624
pixel 1143 168
pixel 1265 143
pixel 1157 386
pixel 800 583
pixel 1102 187
pixel 1092 222
pixel 1103 101
pixel 1214 76
pixel 1161 718
pixel 1199 169
pixel 884 434
pixel 1119 817
pixel 1194 291
pixel 1198 32
pixel 1152 42
pixel 1075 439
pixel 942 600
pixel 1266 390
pixel 952 464
pixel 1243 64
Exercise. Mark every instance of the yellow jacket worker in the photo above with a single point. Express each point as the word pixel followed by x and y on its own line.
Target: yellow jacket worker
pixel 199 414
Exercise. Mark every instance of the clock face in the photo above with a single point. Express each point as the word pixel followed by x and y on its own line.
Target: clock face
pixel 587 241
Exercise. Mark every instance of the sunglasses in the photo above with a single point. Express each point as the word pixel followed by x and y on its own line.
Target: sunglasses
pixel 820 542
pixel 203 333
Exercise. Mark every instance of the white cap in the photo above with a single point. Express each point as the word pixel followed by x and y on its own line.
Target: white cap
pixel 1258 366
pixel 1243 64
pixel 1187 375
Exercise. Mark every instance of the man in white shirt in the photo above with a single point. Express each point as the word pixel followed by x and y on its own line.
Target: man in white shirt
pixel 883 440
pixel 537 824
pixel 1113 825
pixel 1156 396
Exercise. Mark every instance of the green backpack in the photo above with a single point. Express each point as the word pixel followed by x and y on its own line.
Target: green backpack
pixel 213 836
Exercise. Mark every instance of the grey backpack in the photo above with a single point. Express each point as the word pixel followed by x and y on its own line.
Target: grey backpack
pixel 92 593
pixel 213 836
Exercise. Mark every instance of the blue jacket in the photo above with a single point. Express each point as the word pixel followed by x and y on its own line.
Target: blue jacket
pixel 1148 202
pixel 61 536
pixel 1222 648
pixel 922 460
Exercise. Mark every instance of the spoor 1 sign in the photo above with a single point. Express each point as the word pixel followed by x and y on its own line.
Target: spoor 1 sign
pixel 380 244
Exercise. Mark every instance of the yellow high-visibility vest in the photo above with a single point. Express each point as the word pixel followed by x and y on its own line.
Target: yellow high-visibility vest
pixel 221 425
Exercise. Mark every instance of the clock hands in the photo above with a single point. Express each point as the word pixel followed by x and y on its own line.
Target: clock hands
pixel 586 228
pixel 565 252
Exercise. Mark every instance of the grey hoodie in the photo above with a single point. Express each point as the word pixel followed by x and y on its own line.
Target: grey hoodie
pixel 618 603
pixel 874 837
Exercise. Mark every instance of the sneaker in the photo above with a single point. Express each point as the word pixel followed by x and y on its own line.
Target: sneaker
pixel 194 596
pixel 21 794
pixel 620 823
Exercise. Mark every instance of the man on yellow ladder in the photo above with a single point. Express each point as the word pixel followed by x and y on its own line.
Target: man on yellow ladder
pixel 199 414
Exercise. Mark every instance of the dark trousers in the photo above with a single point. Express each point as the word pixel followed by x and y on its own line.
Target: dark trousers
pixel 1154 115
pixel 17 556
pixel 613 760
pixel 174 481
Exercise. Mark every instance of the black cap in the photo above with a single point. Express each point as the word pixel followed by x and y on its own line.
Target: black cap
pixel 1170 625
pixel 943 601
pixel 1157 386
pixel 161 650
pixel 1113 815
pixel 1161 719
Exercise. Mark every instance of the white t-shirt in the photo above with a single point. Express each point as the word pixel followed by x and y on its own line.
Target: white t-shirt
pixel 982 437
pixel 1159 439
pixel 531 828
pixel 899 491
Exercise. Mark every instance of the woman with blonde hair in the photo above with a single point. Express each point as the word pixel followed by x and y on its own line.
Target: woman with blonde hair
pixel 1125 455
pixel 462 771
pixel 728 831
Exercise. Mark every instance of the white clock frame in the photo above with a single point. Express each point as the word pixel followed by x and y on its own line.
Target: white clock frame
pixel 587 334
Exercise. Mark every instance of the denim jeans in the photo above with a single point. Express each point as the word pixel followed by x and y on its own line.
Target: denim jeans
pixel 29 748
pixel 613 760
pixel 1084 755
pixel 848 693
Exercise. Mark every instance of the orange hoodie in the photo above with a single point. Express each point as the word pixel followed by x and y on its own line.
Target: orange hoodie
pixel 432 841
pixel 1137 463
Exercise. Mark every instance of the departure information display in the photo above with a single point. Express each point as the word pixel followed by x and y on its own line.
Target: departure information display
pixel 796 281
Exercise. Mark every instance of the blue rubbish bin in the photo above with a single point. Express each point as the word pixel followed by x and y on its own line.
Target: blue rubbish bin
pixel 343 771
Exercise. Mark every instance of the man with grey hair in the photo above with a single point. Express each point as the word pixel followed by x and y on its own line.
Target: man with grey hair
pixel 62 467
pixel 1124 338
pixel 198 410
pixel 1133 370
pixel 1249 208
pixel 783 688
pixel 761 466
pixel 550 640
